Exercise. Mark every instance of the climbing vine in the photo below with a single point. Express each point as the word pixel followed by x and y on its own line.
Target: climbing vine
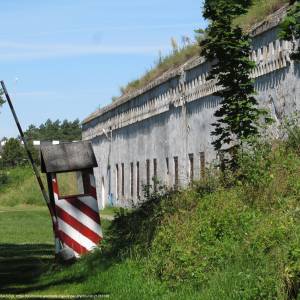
pixel 228 48
pixel 290 29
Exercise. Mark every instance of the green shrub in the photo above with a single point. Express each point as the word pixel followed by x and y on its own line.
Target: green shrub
pixel 211 182
pixel 254 173
pixel 3 178
pixel 132 231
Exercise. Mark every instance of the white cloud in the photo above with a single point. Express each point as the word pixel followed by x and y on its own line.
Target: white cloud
pixel 27 51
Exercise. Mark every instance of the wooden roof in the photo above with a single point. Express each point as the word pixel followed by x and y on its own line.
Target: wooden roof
pixel 67 157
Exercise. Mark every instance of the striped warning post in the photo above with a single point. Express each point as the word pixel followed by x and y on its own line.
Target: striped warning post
pixel 78 221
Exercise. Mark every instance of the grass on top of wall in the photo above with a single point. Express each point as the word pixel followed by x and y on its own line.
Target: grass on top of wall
pixel 257 13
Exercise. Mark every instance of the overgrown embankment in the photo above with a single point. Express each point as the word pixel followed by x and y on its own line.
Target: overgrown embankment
pixel 228 237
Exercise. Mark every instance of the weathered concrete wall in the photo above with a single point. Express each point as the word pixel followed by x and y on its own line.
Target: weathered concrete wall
pixel 172 116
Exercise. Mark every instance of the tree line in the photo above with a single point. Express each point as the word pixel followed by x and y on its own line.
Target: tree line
pixel 66 131
pixel 13 153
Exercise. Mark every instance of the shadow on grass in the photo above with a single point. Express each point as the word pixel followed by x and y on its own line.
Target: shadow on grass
pixel 22 265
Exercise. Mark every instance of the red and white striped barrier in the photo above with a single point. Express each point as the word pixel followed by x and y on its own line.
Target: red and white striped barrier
pixel 78 221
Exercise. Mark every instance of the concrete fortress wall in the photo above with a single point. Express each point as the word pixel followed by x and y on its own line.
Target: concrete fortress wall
pixel 163 130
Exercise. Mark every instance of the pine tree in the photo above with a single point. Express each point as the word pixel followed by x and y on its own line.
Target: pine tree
pixel 229 49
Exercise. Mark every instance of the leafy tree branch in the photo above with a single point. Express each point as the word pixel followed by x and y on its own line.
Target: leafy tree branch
pixel 2 101
pixel 290 29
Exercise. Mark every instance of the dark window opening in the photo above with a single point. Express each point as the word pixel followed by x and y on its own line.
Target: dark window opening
pixel 176 171
pixel 202 164
pixel 117 181
pixel 191 167
pixel 122 183
pixel 131 179
pixel 148 172
pixel 167 165
pixel 155 173
pixel 109 179
pixel 138 179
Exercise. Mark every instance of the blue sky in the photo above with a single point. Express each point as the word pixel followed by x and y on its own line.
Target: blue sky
pixel 65 58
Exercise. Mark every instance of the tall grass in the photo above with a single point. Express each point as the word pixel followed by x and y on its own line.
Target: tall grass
pixel 170 61
pixel 259 11
pixel 22 188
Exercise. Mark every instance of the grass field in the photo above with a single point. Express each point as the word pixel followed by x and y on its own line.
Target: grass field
pixel 26 247
pixel 27 264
